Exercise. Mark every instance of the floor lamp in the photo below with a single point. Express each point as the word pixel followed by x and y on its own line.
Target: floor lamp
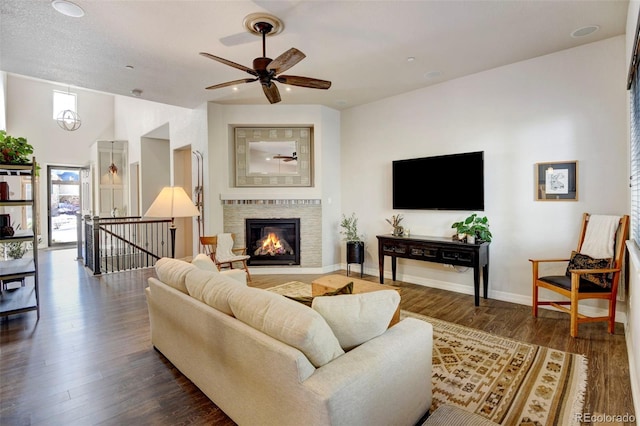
pixel 172 202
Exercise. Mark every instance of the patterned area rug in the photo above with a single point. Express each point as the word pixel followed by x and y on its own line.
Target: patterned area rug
pixel 504 380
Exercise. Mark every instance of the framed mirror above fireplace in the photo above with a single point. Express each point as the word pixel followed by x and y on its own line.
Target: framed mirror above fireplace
pixel 275 156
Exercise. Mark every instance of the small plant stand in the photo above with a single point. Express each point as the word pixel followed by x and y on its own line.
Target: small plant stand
pixel 355 254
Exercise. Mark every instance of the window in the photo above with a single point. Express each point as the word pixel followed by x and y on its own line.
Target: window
pixel 633 85
pixel 63 101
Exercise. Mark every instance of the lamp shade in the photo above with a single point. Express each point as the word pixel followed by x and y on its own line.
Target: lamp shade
pixel 172 202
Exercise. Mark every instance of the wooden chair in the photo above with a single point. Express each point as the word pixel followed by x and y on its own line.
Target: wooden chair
pixel 579 285
pixel 210 244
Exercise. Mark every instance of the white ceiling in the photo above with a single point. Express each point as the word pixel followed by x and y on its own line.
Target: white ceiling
pixel 361 46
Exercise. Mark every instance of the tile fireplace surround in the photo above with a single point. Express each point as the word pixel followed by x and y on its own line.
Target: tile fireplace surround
pixel 308 211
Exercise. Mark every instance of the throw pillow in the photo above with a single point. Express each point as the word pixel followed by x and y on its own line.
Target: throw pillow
pixel 204 262
pixel 582 261
pixel 357 318
pixel 173 272
pixel 213 288
pixel 308 300
pixel 288 322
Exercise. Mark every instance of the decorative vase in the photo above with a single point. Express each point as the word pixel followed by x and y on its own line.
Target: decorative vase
pixel 471 239
pixel 398 231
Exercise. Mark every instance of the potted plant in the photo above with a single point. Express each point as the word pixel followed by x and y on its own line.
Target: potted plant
pixel 14 150
pixel 473 228
pixel 355 243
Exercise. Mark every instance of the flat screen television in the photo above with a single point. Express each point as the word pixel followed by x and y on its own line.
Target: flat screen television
pixel 445 182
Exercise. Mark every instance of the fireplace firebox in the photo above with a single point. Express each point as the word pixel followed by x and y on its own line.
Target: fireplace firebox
pixel 273 241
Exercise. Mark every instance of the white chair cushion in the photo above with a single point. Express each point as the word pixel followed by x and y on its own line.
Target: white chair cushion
pixel 213 288
pixel 173 272
pixel 288 321
pixel 357 318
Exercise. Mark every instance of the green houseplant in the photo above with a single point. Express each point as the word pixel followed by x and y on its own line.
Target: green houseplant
pixel 14 150
pixel 474 228
pixel 349 230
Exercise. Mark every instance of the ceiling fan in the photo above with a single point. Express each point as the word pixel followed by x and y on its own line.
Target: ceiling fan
pixel 267 71
pixel 286 158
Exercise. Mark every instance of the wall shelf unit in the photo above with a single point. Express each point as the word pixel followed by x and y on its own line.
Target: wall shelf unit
pixel 19 288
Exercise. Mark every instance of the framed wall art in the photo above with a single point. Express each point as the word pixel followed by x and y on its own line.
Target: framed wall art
pixel 556 181
pixel 279 156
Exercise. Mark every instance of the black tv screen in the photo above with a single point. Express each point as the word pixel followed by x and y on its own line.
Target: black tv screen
pixel 445 182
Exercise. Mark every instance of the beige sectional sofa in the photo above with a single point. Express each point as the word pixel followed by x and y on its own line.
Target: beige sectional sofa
pixel 267 360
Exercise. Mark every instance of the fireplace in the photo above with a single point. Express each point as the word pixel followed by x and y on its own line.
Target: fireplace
pixel 273 241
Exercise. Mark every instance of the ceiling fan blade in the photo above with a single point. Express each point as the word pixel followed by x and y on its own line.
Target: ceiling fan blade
pixel 286 60
pixel 230 63
pixel 272 93
pixel 312 83
pixel 232 83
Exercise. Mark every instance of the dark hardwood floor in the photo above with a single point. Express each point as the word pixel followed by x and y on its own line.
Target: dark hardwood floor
pixel 89 360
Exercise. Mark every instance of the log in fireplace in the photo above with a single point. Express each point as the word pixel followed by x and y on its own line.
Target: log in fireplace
pixel 273 241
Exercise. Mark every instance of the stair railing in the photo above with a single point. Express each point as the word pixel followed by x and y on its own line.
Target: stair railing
pixel 123 243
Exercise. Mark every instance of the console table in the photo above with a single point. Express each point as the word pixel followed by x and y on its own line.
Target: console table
pixel 438 250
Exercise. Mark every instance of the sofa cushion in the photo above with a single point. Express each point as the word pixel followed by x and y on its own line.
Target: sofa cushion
pixel 204 262
pixel 173 272
pixel 213 288
pixel 357 318
pixel 287 321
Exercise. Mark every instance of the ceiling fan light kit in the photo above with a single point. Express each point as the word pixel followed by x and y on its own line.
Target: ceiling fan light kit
pixel 266 70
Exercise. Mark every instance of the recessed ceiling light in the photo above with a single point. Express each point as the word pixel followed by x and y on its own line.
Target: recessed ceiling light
pixel 411 59
pixel 136 92
pixel 584 31
pixel 67 8
pixel 129 67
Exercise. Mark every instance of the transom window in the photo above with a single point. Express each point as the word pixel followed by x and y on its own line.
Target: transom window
pixel 63 101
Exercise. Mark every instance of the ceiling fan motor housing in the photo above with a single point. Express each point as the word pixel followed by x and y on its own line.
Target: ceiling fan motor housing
pixel 260 66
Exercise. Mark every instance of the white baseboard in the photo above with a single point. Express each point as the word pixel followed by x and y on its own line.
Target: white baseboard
pixel 521 299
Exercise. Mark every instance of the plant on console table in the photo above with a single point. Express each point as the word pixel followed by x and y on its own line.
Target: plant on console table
pixel 398 230
pixel 355 243
pixel 474 229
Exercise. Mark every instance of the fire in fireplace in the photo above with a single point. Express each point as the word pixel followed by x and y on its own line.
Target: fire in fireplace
pixel 273 241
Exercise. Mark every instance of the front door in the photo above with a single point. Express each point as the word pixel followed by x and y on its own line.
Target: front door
pixel 65 204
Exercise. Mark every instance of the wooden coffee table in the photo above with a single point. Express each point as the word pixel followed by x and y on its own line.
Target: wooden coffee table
pixel 328 283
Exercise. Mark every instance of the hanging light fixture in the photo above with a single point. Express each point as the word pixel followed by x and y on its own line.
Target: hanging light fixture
pixel 113 169
pixel 69 120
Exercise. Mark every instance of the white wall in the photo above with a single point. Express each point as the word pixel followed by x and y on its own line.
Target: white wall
pixel 3 100
pixel 569 105
pixel 30 115
pixel 326 124
pixel 137 118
